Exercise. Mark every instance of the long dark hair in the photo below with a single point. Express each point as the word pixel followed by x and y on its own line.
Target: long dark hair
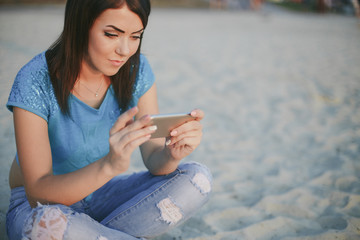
pixel 65 55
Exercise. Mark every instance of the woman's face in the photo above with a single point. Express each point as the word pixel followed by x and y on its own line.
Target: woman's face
pixel 113 39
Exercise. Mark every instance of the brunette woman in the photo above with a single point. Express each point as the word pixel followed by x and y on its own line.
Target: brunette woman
pixel 80 109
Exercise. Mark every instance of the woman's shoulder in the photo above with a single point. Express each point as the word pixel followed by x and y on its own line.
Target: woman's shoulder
pixel 145 77
pixel 36 67
pixel 144 80
pixel 145 72
pixel 32 88
pixel 143 59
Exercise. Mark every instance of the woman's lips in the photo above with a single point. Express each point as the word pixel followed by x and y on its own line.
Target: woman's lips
pixel 117 63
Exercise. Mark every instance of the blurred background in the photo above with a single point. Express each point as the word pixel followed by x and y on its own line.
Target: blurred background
pixel 349 7
pixel 279 82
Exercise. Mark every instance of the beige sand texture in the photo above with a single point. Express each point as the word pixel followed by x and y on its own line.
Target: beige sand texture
pixel 281 93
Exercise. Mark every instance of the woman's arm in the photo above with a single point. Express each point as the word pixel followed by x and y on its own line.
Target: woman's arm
pixel 154 155
pixel 35 159
pixel 161 158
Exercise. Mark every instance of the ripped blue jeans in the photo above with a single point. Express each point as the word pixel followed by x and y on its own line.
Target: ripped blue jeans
pixel 136 206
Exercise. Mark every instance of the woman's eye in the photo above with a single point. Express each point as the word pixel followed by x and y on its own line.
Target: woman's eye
pixel 110 35
pixel 136 37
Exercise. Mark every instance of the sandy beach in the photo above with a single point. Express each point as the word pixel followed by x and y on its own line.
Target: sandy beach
pixel 281 93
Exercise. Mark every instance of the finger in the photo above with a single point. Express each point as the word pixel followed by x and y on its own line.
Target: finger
pixel 127 143
pixel 185 136
pixel 124 137
pixel 186 127
pixel 190 142
pixel 136 138
pixel 123 120
pixel 129 122
pixel 167 141
pixel 142 122
pixel 133 130
pixel 198 114
pixel 135 134
pixel 131 146
pixel 127 148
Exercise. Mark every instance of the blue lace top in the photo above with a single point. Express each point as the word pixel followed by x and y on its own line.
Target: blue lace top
pixel 82 138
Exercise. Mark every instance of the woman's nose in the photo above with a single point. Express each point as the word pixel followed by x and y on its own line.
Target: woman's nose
pixel 123 47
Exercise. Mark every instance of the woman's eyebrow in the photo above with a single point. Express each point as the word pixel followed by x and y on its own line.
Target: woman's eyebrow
pixel 122 31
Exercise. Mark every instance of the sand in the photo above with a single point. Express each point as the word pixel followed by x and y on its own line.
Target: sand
pixel 281 93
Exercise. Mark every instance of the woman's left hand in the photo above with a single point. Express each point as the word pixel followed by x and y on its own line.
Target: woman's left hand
pixel 184 139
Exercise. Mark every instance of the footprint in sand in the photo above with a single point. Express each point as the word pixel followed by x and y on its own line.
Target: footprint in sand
pixel 332 222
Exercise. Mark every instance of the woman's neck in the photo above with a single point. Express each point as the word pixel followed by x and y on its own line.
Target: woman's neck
pixel 90 74
pixel 91 86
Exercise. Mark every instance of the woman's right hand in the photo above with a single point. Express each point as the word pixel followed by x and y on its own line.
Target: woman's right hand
pixel 125 136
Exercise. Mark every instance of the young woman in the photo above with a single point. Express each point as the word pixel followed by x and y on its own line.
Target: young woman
pixel 80 109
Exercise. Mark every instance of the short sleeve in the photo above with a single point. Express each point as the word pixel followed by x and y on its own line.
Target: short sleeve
pixel 145 78
pixel 31 88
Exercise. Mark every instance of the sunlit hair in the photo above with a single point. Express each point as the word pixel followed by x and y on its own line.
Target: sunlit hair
pixel 64 57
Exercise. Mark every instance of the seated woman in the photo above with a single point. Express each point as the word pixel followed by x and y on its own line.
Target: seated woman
pixel 80 109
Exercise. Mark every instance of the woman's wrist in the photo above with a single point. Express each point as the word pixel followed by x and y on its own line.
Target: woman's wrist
pixel 160 161
pixel 169 161
pixel 168 155
pixel 106 167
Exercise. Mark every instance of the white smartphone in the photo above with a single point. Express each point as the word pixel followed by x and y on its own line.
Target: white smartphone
pixel 167 122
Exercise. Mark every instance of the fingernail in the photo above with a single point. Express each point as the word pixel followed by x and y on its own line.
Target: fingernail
pixel 193 113
pixel 173 133
pixel 153 128
pixel 167 143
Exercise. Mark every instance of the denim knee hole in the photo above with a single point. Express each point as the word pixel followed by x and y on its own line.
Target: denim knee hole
pixel 201 182
pixel 170 213
pixel 45 223
pixel 102 238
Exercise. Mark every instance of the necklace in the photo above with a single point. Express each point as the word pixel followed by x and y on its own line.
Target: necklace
pixel 97 91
